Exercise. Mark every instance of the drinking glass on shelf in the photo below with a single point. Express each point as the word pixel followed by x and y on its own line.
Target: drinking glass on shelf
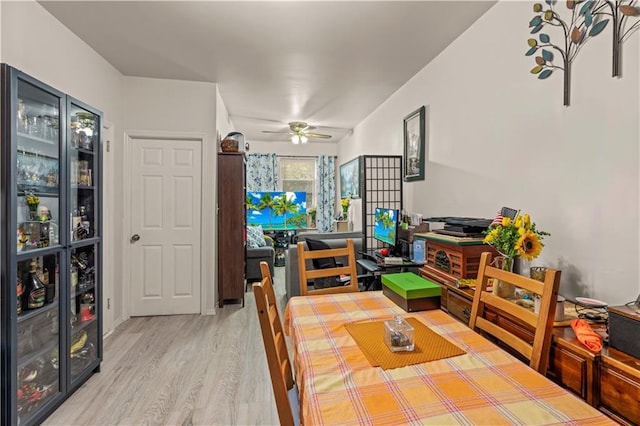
pixel 22 123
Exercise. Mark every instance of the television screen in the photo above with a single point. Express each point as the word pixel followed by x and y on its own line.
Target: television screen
pixel 277 210
pixel 386 225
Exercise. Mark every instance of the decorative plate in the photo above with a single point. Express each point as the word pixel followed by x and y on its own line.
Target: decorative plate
pixel 591 303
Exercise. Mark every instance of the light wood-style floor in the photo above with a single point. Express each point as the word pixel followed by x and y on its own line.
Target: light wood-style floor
pixel 180 370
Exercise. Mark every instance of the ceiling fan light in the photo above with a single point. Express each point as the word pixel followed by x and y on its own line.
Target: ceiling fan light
pixel 304 139
pixel 295 139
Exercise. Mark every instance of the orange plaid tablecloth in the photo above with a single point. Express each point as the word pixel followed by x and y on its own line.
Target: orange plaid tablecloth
pixel 485 386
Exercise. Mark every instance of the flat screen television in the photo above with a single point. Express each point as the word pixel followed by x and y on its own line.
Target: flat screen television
pixel 386 226
pixel 277 210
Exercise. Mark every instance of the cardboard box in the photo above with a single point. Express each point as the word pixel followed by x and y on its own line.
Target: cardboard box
pixel 411 292
pixel 624 328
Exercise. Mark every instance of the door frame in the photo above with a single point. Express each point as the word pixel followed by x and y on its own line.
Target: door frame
pixel 206 224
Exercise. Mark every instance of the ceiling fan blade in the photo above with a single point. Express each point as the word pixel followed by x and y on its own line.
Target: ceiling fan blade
pixel 280 131
pixel 317 135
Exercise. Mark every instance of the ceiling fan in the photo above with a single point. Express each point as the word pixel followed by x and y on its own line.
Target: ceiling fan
pixel 300 132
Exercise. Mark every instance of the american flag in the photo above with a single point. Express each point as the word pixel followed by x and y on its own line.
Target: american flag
pixel 498 219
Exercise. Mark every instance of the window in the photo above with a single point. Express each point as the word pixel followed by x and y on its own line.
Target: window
pixel 299 174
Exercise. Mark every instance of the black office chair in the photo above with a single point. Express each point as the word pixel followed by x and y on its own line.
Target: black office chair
pixel 323 262
pixel 328 263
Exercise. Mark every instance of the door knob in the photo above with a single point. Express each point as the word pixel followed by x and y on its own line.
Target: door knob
pixel 134 238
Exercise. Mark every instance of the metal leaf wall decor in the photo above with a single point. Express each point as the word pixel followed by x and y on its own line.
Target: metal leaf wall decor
pixel 620 12
pixel 588 19
pixel 576 31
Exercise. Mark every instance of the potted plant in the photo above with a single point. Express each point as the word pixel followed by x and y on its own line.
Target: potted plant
pixel 513 238
pixel 345 203
pixel 312 215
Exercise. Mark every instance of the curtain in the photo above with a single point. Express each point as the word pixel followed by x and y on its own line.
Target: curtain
pixel 262 172
pixel 326 193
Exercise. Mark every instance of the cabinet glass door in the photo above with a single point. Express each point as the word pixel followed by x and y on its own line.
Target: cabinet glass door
pixel 38 336
pixel 83 144
pixel 83 345
pixel 38 168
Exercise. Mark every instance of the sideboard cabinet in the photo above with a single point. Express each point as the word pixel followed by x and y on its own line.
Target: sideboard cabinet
pixel 610 381
pixel 51 318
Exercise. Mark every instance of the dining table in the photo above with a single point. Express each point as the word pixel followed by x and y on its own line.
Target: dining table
pixel 484 385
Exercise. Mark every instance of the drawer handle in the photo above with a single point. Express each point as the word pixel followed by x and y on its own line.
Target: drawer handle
pixel 466 312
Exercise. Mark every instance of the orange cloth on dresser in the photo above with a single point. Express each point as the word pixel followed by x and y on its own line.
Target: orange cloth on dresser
pixel 586 335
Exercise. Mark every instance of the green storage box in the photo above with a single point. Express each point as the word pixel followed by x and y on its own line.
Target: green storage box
pixel 411 292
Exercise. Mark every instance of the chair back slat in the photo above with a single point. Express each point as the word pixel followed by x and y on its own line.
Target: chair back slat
pixel 275 345
pixel 349 270
pixel 541 324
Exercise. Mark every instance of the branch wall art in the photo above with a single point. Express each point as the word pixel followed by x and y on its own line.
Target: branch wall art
pixel 556 52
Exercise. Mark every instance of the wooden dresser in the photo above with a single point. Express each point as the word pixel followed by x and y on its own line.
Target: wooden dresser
pixel 231 214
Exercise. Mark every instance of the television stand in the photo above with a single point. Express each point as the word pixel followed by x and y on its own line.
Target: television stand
pixel 373 263
pixel 281 241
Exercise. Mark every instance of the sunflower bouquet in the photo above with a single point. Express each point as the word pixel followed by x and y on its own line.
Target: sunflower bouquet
pixel 345 203
pixel 32 199
pixel 517 237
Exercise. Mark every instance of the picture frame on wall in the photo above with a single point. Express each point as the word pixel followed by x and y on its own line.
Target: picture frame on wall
pixel 414 145
pixel 350 179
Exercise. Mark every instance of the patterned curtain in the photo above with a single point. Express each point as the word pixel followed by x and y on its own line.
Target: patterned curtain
pixel 326 192
pixel 262 172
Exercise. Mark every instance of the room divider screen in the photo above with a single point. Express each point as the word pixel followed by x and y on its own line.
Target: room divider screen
pixel 381 187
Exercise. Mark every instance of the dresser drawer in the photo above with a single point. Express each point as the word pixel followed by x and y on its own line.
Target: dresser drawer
pixel 619 392
pixel 569 370
pixel 458 307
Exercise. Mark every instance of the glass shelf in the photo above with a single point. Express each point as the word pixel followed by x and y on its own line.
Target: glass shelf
pixel 26 315
pixel 37 138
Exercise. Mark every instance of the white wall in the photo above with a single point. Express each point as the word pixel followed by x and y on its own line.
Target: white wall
pixel 498 136
pixel 37 44
pixel 224 125
pixel 186 108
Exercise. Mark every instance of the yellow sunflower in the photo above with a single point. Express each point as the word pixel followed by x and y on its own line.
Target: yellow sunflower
pixel 528 246
pixel 491 236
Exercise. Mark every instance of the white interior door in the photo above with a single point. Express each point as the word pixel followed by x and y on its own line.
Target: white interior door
pixel 165 226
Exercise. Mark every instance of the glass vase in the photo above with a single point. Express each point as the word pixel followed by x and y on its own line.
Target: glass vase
pixel 501 288
pixel 33 212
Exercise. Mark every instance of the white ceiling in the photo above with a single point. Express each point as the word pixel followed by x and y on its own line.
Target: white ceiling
pixel 327 63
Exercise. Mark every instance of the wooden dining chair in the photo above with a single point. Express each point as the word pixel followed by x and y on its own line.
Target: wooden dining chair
pixel 343 279
pixel 536 351
pixel 275 346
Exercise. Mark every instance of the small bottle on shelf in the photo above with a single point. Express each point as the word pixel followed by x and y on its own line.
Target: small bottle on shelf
pixel 76 219
pixel 84 221
pixel 19 291
pixel 34 292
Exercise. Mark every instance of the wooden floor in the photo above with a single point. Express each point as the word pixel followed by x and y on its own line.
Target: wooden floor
pixel 180 370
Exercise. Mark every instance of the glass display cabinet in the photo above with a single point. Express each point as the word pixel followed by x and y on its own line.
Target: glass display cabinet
pixel 51 326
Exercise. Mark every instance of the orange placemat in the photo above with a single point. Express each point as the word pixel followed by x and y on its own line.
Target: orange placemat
pixel 429 346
